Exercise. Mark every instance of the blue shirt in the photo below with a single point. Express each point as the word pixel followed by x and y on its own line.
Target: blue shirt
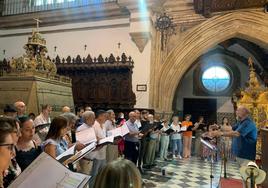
pixel 244 146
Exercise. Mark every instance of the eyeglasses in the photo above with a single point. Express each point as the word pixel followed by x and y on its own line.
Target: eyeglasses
pixel 10 147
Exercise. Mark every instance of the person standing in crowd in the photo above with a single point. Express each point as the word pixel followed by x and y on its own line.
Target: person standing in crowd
pixel 208 154
pixel 43 117
pixel 164 142
pixel 199 128
pixel 88 108
pixel 71 129
pixel 138 118
pixel 151 141
pixel 187 136
pixel 79 114
pixel 54 144
pixel 132 139
pixel 65 109
pixel 176 137
pixel 112 149
pixel 226 142
pixel 119 174
pixel 157 122
pixel 21 108
pixel 143 143
pixel 10 111
pixel 89 120
pixel 6 148
pixel 32 116
pixel 26 150
pixel 244 134
pixel 119 122
pixel 13 170
pixel 99 156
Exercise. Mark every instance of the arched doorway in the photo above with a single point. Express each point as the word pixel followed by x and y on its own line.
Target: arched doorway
pixel 196 42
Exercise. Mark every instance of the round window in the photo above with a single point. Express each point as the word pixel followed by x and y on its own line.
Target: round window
pixel 216 79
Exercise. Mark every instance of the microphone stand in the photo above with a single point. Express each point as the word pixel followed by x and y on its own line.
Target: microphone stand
pixel 224 160
pixel 252 179
pixel 211 168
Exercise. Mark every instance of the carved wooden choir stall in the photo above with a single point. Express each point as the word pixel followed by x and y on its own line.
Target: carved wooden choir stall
pixel 207 7
pixel 100 82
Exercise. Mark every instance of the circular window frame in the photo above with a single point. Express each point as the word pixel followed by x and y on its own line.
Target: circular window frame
pixel 224 68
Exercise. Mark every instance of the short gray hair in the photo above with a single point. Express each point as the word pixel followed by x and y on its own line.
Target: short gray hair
pixel 70 116
pixel 88 114
pixel 110 111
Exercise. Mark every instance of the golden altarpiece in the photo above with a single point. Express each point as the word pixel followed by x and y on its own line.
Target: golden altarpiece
pixel 33 79
pixel 255 97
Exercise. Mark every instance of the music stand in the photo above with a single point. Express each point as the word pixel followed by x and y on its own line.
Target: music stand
pixel 213 149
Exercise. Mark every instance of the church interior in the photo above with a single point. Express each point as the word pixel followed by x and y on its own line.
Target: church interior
pixel 141 65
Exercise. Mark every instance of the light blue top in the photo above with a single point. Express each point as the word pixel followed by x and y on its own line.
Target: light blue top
pixel 61 145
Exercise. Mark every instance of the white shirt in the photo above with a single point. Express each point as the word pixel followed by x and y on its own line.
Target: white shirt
pixel 83 127
pixel 109 125
pixel 39 120
pixel 100 133
pixel 176 128
pixel 138 123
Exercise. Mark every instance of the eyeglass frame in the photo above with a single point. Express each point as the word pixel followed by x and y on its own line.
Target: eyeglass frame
pixel 10 147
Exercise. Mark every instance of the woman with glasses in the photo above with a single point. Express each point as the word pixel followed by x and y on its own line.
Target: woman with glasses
pixel 55 144
pixel 26 150
pixel 14 169
pixel 6 148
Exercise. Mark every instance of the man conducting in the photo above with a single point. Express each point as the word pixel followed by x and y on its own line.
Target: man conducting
pixel 244 135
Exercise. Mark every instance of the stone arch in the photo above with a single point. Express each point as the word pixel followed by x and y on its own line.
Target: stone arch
pixel 248 25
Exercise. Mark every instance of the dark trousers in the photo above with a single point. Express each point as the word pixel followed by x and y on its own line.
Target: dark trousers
pixel 143 148
pixel 132 151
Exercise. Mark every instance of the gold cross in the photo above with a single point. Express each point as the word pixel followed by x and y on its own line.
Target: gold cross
pixel 37 23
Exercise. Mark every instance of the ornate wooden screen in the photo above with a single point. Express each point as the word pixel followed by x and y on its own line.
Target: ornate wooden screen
pixel 100 82
pixel 206 7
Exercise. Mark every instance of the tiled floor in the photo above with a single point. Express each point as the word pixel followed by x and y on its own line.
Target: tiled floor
pixel 187 173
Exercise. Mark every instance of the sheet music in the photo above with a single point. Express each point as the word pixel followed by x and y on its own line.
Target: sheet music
pixel 70 151
pixel 84 152
pixel 109 139
pixel 46 172
pixel 86 136
pixel 183 128
pixel 209 145
pixel 115 132
pixel 124 130
pixel 120 131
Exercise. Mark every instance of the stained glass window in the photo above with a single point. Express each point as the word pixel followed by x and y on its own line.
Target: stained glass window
pixel 216 79
pixel 48 2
